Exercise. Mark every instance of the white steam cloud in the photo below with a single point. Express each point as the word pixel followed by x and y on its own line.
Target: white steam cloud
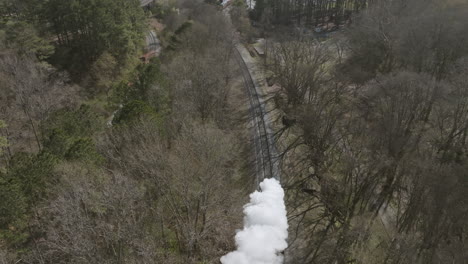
pixel 265 228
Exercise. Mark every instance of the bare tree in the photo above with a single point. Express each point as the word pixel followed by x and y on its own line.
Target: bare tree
pixel 193 197
pixel 30 92
pixel 94 217
pixel 195 193
pixel 299 68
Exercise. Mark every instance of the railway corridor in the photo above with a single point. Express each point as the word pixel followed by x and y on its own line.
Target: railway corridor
pixel 267 162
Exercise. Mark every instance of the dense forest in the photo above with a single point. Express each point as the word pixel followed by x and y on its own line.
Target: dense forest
pixel 375 136
pixel 306 12
pixel 113 154
pixel 106 159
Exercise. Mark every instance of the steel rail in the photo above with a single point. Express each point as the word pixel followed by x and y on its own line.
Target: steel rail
pixel 262 139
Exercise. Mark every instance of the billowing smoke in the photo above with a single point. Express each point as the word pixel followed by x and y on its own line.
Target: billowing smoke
pixel 265 228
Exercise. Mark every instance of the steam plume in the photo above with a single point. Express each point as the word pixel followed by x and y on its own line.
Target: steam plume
pixel 265 228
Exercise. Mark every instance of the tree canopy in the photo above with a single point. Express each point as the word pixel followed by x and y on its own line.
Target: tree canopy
pixel 85 29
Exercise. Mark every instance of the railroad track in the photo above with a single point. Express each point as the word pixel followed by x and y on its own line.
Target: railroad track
pixel 152 42
pixel 266 158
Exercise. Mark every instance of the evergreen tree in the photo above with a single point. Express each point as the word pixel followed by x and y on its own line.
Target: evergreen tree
pixel 256 13
pixel 86 29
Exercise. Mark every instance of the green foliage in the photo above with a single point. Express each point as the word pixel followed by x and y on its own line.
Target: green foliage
pixel 83 149
pixel 134 110
pixel 58 142
pixel 184 27
pixel 31 173
pixel 174 41
pixel 257 12
pixel 24 183
pixel 12 201
pixel 85 29
pixel 239 3
pixel 6 7
pixel 103 72
pixel 159 11
pixel 68 134
pixel 23 37
pixel 147 76
pixel 24 10
pixel 16 234
pixel 81 122
pixel 147 84
pixel 213 2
